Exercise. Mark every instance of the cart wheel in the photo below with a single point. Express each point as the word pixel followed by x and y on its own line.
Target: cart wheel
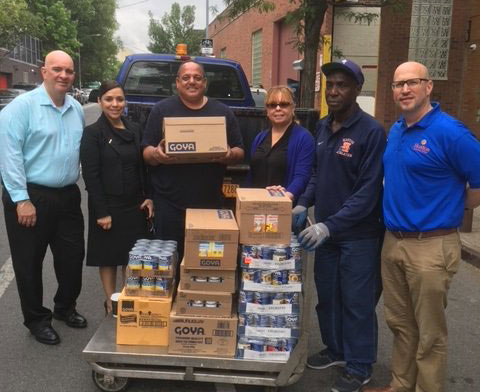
pixel 271 389
pixel 109 383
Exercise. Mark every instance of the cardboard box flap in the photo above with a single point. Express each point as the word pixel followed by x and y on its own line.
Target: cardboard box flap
pixel 256 200
pixel 210 225
pixel 178 121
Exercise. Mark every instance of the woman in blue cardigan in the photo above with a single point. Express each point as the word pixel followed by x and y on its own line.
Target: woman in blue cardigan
pixel 282 156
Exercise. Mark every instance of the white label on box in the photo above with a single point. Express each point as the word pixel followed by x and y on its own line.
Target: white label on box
pixel 269 309
pixel 248 285
pixel 270 264
pixel 268 332
pixel 267 355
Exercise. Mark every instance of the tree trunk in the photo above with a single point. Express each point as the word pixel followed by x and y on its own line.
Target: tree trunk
pixel 315 12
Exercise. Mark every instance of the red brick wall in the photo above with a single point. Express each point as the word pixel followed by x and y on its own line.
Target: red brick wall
pixel 394 39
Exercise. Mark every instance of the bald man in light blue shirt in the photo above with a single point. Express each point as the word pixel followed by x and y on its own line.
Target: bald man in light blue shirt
pixel 40 133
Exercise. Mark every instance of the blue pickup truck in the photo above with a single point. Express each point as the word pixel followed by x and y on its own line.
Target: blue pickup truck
pixel 148 78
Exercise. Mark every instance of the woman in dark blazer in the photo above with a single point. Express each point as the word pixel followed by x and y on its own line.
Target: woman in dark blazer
pixel 119 203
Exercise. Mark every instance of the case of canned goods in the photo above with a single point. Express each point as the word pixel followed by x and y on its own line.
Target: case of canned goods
pixel 265 302
pixel 149 286
pixel 265 348
pixel 272 256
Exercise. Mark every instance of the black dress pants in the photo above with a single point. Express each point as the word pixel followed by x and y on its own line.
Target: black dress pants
pixel 60 226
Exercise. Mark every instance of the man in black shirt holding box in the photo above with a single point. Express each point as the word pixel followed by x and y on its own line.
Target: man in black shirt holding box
pixel 177 187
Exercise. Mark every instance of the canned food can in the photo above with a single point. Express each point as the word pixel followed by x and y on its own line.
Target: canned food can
pixel 250 251
pixel 169 248
pixel 281 345
pixel 135 260
pixel 246 297
pixel 214 279
pixel 295 251
pixel 211 304
pixel 165 260
pixel 148 283
pixel 143 241
pixel 262 298
pixel 150 261
pixel 279 277
pixel 161 284
pixel 292 298
pixel 271 345
pixel 266 277
pixel 257 345
pixel 294 276
pixel 200 279
pixel 242 345
pixel 291 321
pixel 251 319
pixel 279 254
pixel 290 344
pixel 267 252
pixel 265 320
pixel 254 276
pixel 171 242
pixel 133 282
pixel 197 304
pixel 241 320
pixel 278 298
pixel 280 321
pixel 156 242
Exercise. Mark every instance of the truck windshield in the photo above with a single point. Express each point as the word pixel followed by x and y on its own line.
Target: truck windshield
pixel 158 79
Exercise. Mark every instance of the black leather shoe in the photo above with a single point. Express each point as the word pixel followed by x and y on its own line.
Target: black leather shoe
pixel 72 319
pixel 46 335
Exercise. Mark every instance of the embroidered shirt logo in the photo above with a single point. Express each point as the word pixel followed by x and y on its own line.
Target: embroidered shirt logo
pixel 421 147
pixel 345 147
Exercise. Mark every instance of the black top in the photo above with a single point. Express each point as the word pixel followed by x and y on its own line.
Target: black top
pixel 112 165
pixel 269 164
pixel 195 185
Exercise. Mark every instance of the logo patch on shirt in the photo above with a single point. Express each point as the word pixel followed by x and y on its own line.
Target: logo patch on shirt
pixel 345 147
pixel 421 147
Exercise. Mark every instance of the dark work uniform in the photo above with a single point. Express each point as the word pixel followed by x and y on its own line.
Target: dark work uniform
pixel 346 189
pixel 117 184
pixel 269 163
pixel 180 186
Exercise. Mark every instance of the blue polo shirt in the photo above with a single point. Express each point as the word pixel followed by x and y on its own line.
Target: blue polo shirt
pixel 39 143
pixel 427 166
pixel 346 185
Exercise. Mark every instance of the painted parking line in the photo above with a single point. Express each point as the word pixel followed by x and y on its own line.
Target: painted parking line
pixel 6 275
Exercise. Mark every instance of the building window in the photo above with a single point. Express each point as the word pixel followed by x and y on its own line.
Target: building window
pixel 28 50
pixel 430 35
pixel 223 53
pixel 257 58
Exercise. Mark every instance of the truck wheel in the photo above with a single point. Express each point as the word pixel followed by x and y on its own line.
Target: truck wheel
pixel 109 383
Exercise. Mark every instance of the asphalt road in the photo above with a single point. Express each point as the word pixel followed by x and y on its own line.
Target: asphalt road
pixel 29 366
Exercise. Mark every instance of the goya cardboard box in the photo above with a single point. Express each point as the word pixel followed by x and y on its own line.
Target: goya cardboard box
pixel 264 216
pixel 195 139
pixel 211 239
pixel 204 303
pixel 143 321
pixel 207 279
pixel 195 335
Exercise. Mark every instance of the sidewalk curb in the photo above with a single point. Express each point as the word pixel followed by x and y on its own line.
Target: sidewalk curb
pixel 471 256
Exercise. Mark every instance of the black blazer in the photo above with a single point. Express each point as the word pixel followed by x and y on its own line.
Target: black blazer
pixel 97 147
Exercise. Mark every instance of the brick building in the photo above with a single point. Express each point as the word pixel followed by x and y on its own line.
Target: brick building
pixel 439 34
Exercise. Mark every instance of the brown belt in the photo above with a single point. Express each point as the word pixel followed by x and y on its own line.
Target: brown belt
pixel 424 234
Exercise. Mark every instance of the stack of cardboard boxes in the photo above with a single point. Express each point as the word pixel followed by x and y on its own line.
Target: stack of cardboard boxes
pixel 145 303
pixel 271 276
pixel 203 320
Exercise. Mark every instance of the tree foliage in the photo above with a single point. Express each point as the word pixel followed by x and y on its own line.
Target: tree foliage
pixel 15 20
pixel 174 28
pixel 307 19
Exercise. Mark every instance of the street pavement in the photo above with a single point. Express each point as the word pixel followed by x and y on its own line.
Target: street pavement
pixel 29 366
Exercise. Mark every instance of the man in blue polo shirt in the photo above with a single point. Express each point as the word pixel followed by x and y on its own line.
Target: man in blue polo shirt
pixel 40 134
pixel 346 189
pixel 429 159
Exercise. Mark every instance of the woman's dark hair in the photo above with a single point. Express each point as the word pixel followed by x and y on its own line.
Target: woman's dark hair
pixel 108 85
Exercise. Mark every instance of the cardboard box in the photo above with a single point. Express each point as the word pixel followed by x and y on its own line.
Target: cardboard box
pixel 264 216
pixel 194 335
pixel 211 239
pixel 195 139
pixel 143 321
pixel 186 298
pixel 207 279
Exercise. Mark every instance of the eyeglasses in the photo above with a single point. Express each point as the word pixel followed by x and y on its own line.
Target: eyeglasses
pixel 274 105
pixel 186 78
pixel 410 83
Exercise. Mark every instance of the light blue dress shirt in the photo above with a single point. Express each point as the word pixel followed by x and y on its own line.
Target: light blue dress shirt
pixel 39 143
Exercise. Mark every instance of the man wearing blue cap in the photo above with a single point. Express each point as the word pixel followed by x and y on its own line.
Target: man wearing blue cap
pixel 346 190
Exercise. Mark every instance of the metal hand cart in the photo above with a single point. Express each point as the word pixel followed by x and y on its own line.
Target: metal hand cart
pixel 113 365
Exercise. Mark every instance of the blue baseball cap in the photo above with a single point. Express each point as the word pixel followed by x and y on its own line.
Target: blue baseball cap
pixel 346 66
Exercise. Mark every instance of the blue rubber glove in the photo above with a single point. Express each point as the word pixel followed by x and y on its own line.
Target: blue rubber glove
pixel 299 217
pixel 314 236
